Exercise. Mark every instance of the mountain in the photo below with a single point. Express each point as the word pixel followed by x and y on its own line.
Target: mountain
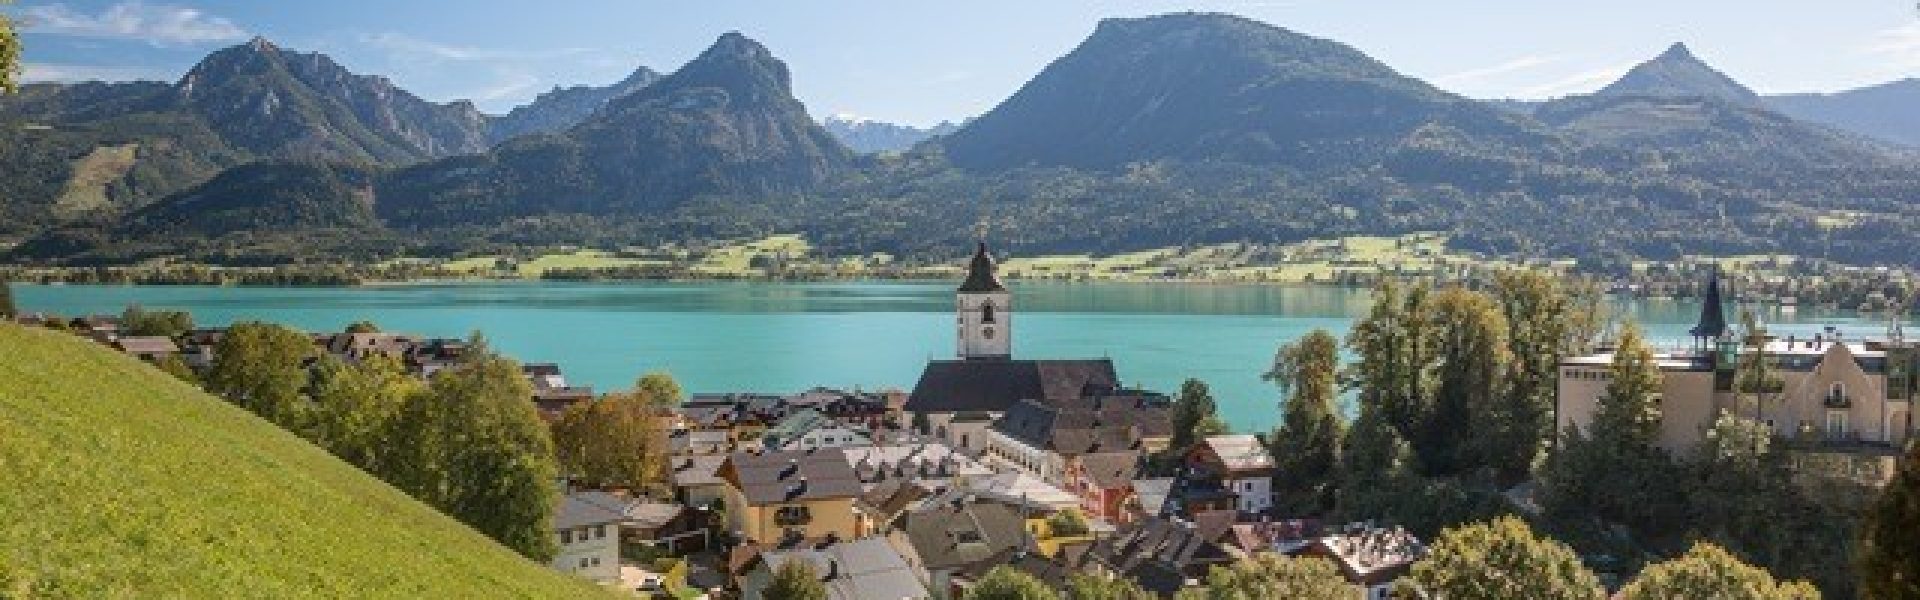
pixel 73 151
pixel 724 124
pixel 229 504
pixel 1677 73
pixel 1889 111
pixel 1694 117
pixel 285 104
pixel 867 136
pixel 1211 86
pixel 561 108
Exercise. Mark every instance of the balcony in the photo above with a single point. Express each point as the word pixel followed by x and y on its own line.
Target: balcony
pixel 1833 400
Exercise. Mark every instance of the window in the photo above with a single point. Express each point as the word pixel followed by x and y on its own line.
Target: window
pixel 1836 424
pixel 792 515
pixel 986 314
pixel 583 563
pixel 599 532
pixel 566 536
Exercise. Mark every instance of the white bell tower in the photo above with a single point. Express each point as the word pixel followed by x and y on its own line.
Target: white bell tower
pixel 984 311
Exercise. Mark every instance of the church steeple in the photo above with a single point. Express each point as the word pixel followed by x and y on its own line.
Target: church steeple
pixel 984 311
pixel 980 275
pixel 1713 313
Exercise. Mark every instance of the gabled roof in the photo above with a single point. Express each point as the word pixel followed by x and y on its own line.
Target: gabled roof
pixel 959 534
pixel 1081 426
pixel 1161 554
pixel 695 470
pixel 585 509
pixel 1111 470
pixel 147 345
pixel 994 385
pixel 855 570
pixel 1240 453
pixel 801 475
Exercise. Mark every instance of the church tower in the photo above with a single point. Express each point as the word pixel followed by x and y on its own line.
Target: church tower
pixel 984 311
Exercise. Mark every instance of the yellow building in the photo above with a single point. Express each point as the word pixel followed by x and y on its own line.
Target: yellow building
pixel 775 497
pixel 1834 393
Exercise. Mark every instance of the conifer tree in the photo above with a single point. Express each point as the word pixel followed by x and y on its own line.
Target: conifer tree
pixel 1889 549
pixel 1194 415
pixel 7 308
pixel 1628 410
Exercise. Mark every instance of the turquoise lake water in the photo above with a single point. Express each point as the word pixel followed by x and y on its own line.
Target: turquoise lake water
pixel 783 337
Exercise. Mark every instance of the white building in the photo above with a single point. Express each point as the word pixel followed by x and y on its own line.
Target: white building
pixel 587 525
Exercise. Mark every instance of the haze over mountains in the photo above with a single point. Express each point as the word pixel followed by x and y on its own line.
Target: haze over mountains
pixel 1177 129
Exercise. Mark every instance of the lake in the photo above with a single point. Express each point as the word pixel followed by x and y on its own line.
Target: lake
pixel 784 337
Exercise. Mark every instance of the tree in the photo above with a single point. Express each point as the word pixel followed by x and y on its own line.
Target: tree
pixel 1709 571
pixel 1546 322
pixel 1269 575
pixel 1007 583
pixel 262 368
pixel 1396 363
pixel 1471 343
pixel 363 327
pixel 795 580
pixel 137 321
pixel 355 405
pixel 7 308
pixel 1307 444
pixel 620 440
pixel 473 446
pixel 1502 560
pixel 1754 380
pixel 9 55
pixel 1194 415
pixel 1628 411
pixel 172 364
pixel 1067 523
pixel 1090 586
pixel 1889 551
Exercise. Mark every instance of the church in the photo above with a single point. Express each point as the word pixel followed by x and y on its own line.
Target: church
pixel 957 399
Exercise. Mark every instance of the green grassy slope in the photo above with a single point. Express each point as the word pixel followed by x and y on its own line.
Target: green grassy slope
pixel 118 481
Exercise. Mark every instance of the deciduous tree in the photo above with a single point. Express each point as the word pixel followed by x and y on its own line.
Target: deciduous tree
pixel 1272 576
pixel 1709 571
pixel 1091 586
pixel 1007 583
pixel 795 580
pixel 1470 340
pixel 1307 444
pixel 355 405
pixel 262 368
pixel 1503 560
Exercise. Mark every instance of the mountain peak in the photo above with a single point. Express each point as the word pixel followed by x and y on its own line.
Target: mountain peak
pixel 737 64
pixel 1678 51
pixel 1679 73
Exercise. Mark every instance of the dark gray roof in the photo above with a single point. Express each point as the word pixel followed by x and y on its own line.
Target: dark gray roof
pixel 582 509
pixel 699 469
pixel 980 275
pixel 774 477
pixel 1082 426
pixel 961 535
pixel 993 385
pixel 856 570
pixel 1111 470
pixel 1161 555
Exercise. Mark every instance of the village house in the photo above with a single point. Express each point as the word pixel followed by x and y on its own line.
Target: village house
pixel 779 498
pixel 1104 483
pixel 1235 469
pixel 957 540
pixel 1165 555
pixel 696 479
pixel 807 428
pixel 147 348
pixel 930 463
pixel 1370 558
pixel 587 526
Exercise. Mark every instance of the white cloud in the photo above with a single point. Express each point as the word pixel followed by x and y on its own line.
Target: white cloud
pixel 158 24
pixel 43 72
pixel 1577 83
pixel 1899 46
pixel 1475 76
pixel 406 47
pixel 511 86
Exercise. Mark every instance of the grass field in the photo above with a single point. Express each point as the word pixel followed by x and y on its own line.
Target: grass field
pixel 122 482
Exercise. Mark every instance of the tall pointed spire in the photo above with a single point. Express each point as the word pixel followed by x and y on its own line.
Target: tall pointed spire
pixel 1713 313
pixel 980 275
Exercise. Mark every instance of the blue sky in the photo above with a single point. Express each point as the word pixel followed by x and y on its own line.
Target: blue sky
pixel 921 62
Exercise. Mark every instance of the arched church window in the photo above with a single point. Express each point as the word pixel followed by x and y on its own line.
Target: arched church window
pixel 986 313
